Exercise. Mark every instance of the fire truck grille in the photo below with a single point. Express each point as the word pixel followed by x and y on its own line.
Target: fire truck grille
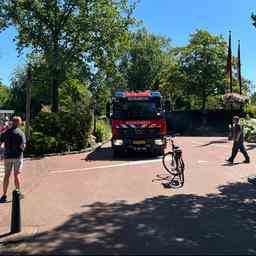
pixel 139 132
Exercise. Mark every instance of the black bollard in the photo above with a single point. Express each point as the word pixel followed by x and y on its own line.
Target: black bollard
pixel 16 219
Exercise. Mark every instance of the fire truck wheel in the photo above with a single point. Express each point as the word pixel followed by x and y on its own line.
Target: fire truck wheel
pixel 117 153
pixel 160 152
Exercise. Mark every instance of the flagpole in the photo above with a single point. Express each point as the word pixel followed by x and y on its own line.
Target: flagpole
pixel 239 72
pixel 229 68
pixel 239 68
pixel 230 71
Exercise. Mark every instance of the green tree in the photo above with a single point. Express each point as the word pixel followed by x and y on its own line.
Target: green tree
pixel 4 95
pixel 253 99
pixel 203 62
pixel 74 95
pixel 68 31
pixel 144 62
pixel 172 83
pixel 41 92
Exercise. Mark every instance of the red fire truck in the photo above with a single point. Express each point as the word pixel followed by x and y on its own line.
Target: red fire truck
pixel 138 122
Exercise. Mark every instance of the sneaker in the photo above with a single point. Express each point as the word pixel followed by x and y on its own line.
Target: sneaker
pixel 246 161
pixel 229 161
pixel 3 199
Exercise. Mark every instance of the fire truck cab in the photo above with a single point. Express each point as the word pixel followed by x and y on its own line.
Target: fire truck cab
pixel 138 122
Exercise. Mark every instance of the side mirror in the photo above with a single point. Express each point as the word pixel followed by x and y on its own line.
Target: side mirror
pixel 167 105
pixel 108 110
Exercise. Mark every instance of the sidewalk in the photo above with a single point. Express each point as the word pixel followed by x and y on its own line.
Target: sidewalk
pixel 33 173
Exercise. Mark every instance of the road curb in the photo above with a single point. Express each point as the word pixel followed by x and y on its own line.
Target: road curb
pixel 98 145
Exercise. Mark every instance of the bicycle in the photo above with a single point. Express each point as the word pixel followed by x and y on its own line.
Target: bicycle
pixel 174 165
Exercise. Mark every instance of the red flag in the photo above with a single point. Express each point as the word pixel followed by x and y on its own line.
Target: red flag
pixel 239 68
pixel 229 62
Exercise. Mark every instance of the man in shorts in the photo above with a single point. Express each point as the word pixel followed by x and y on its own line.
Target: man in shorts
pixel 14 142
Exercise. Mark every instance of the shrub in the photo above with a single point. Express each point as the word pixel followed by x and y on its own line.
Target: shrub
pixel 103 131
pixel 69 129
pixel 249 129
pixel 59 132
pixel 251 110
pixel 41 143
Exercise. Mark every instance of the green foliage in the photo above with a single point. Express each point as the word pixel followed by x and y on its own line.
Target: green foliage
pixel 144 62
pixel 74 95
pixel 103 131
pixel 249 129
pixel 68 32
pixel 203 62
pixel 59 132
pixel 40 144
pixel 172 85
pixel 4 95
pixel 253 99
pixel 40 87
pixel 215 102
pixel 251 110
pixel 103 96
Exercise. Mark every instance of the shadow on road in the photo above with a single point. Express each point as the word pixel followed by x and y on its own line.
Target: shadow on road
pixel 251 146
pixel 232 164
pixel 222 223
pixel 105 153
pixel 215 142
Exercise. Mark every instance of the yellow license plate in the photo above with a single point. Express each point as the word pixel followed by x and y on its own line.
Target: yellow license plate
pixel 139 142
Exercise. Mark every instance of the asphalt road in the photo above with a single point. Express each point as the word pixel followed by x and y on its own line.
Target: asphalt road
pixel 95 204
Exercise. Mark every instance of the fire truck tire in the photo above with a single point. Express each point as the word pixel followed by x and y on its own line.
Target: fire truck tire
pixel 117 153
pixel 160 152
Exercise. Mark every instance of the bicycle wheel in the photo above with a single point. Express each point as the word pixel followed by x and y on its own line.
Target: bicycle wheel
pixel 170 164
pixel 181 168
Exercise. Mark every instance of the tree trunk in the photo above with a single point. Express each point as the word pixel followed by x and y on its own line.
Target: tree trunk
pixel 55 93
pixel 55 77
pixel 204 101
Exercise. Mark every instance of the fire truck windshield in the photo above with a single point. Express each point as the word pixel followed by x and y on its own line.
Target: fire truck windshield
pixel 139 110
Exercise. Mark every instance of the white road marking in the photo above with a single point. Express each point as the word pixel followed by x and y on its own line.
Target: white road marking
pixel 106 166
pixel 202 161
pixel 220 146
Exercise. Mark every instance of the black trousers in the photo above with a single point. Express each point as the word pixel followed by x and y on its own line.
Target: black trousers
pixel 236 148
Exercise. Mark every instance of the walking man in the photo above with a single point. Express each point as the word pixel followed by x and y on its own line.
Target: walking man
pixel 238 141
pixel 14 142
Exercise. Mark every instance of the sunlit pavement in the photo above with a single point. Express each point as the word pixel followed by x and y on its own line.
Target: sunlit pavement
pixel 94 204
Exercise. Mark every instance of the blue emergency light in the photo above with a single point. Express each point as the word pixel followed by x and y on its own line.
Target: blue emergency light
pixel 119 94
pixel 155 94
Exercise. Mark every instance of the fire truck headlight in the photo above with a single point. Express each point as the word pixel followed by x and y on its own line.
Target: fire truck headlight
pixel 159 142
pixel 118 142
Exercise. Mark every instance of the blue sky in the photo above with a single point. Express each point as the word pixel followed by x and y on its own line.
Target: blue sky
pixel 176 20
